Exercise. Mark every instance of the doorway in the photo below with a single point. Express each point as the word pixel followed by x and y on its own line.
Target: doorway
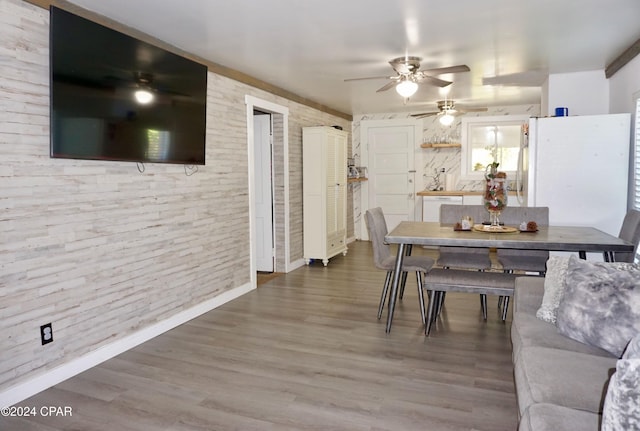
pixel 389 146
pixel 278 184
pixel 263 186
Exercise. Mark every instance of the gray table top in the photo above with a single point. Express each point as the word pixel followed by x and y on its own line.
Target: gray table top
pixel 554 238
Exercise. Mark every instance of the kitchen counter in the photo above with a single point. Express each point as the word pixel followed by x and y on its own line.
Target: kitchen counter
pixel 456 193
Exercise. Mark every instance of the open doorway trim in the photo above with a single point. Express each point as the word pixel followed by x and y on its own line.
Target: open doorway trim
pixel 253 103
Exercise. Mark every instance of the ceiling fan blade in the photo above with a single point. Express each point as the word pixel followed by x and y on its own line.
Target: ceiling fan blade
pixel 370 77
pixel 433 81
pixel 424 114
pixel 451 69
pixel 387 86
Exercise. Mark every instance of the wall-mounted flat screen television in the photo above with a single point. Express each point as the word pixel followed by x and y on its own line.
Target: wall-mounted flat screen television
pixel 114 97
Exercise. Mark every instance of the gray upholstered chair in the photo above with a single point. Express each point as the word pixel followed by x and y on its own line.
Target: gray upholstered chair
pixel 384 259
pixel 462 257
pixel 472 258
pixel 524 260
pixel 630 231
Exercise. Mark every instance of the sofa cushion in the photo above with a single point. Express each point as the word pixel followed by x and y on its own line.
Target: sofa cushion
pixel 529 331
pixel 622 402
pixel 570 379
pixel 548 417
pixel 601 304
pixel 553 288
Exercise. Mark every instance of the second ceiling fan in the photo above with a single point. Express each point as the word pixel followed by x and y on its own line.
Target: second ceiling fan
pixel 408 75
pixel 447 110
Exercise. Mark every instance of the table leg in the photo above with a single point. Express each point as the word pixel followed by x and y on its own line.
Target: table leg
pixel 582 255
pixel 610 256
pixel 397 274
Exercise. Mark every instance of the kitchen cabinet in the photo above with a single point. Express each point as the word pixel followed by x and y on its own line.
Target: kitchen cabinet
pixel 324 176
pixel 431 206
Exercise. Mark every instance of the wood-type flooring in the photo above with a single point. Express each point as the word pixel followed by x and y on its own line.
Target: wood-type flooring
pixel 304 351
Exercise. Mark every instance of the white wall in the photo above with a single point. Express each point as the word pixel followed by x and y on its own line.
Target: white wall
pixel 624 88
pixel 623 85
pixel 584 93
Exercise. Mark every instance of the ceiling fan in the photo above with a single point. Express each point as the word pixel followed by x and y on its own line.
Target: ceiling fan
pixel 447 110
pixel 408 75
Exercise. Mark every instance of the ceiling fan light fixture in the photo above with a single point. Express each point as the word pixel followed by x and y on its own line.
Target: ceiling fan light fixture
pixel 143 96
pixel 446 119
pixel 406 88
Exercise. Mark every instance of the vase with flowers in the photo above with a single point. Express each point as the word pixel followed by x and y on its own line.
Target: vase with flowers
pixel 495 193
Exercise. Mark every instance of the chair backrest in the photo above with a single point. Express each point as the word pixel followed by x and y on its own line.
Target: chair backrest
pixel 451 214
pixel 513 216
pixel 377 229
pixel 630 231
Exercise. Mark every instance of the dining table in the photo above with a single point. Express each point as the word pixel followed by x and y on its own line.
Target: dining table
pixel 579 239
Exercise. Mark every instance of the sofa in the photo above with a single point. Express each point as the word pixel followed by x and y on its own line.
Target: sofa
pixel 561 380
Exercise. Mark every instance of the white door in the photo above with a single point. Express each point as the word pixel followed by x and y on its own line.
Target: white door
pixel 264 192
pixel 391 149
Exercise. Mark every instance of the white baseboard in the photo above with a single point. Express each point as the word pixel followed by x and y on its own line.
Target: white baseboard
pixel 295 265
pixel 351 239
pixel 33 385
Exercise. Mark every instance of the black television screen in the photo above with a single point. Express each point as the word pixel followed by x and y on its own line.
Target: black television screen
pixel 96 73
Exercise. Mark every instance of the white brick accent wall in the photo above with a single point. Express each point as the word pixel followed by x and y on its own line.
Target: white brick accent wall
pixel 99 249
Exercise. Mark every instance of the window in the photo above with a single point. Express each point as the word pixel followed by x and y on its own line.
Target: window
pixel 489 139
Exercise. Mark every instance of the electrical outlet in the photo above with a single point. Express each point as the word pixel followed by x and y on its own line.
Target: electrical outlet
pixel 46 333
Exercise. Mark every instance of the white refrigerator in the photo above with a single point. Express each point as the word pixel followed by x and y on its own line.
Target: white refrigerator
pixel 578 166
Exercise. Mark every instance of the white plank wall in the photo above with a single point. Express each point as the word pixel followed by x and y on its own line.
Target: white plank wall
pixel 99 249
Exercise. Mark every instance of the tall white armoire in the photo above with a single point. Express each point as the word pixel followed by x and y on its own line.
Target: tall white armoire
pixel 324 155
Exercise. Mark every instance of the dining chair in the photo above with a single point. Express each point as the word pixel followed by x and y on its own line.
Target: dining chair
pixel 524 260
pixel 385 260
pixel 471 258
pixel 630 231
pixel 463 257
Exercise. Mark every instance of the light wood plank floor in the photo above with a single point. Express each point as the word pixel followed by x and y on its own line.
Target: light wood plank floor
pixel 303 352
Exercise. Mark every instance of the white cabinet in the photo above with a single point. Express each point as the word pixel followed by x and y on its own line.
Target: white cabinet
pixel 324 176
pixel 472 200
pixel 431 206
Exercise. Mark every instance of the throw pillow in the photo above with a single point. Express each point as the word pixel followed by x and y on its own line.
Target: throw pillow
pixel 601 304
pixel 553 288
pixel 621 409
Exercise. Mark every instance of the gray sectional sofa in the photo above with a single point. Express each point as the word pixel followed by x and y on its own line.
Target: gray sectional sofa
pixel 560 383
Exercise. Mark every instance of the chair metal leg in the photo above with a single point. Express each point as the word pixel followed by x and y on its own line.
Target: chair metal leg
pixel 430 311
pixel 440 303
pixel 505 308
pixel 385 289
pixel 403 283
pixel 420 295
pixel 483 305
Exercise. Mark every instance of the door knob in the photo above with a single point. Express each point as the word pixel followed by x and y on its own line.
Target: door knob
pixel 410 180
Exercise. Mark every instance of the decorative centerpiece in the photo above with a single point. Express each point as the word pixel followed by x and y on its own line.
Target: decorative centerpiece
pixel 495 194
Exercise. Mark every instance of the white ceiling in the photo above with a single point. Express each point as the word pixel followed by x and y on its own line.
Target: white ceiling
pixel 309 47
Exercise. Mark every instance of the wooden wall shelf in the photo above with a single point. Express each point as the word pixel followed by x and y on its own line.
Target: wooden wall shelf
pixel 356 180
